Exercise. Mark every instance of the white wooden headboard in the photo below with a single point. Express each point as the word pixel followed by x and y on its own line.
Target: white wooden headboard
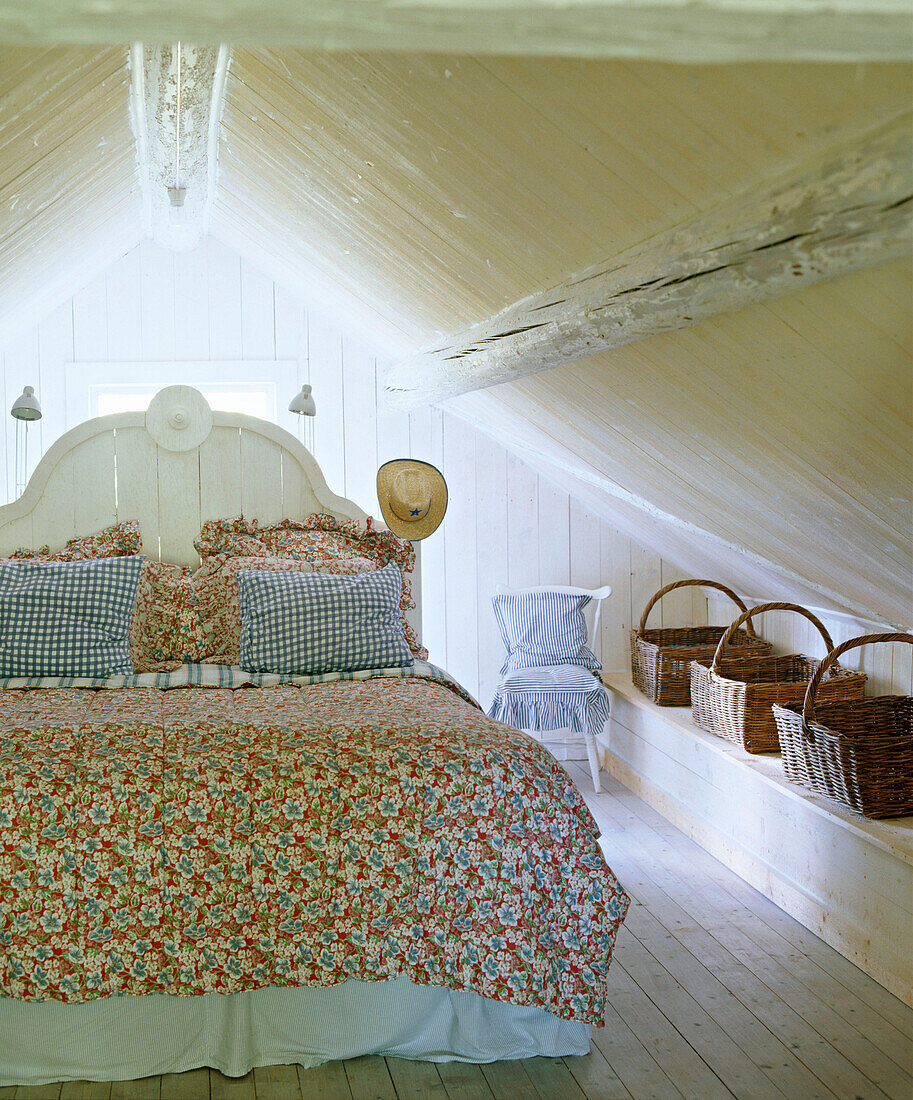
pixel 171 468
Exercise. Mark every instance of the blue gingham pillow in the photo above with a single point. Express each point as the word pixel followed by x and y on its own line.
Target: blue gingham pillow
pixel 67 618
pixel 321 622
pixel 543 628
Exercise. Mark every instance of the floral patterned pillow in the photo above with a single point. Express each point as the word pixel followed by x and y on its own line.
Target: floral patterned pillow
pixel 116 541
pixel 164 632
pixel 325 543
pixel 215 586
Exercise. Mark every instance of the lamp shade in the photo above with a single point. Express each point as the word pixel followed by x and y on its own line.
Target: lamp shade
pixel 302 403
pixel 26 406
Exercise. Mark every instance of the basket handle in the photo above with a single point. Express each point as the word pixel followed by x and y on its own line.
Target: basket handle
pixel 700 584
pixel 808 707
pixel 746 616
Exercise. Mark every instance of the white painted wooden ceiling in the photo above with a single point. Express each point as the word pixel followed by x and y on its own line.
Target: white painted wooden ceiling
pixel 420 193
pixel 69 202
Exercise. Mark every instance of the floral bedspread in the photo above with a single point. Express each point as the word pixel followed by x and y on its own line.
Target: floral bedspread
pixel 205 840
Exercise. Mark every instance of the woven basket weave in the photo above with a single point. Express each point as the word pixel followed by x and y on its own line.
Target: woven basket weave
pixel 859 753
pixel 733 696
pixel 661 657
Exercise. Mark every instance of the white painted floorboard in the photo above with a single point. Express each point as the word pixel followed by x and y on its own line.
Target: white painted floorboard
pixel 714 993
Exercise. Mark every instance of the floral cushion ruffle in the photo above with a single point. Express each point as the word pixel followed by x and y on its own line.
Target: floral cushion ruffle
pixel 164 631
pixel 325 543
pixel 182 616
pixel 215 585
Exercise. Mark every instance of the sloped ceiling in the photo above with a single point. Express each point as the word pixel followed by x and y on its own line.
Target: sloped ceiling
pixel 423 192
pixel 775 443
pixel 440 189
pixel 69 198
pixel 770 447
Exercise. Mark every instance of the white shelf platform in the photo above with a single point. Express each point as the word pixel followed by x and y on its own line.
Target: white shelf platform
pixel 846 878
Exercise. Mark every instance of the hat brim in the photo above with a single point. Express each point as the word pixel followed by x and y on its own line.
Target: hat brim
pixel 413 530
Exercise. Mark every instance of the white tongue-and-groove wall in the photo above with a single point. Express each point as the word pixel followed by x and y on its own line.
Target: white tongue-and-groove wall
pixel 505 524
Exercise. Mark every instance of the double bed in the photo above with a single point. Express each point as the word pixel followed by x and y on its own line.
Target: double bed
pixel 212 866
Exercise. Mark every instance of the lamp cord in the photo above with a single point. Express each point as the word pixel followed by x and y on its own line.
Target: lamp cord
pixel 177 129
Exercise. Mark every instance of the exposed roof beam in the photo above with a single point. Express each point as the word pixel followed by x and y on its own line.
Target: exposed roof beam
pixel 842 210
pixel 176 101
pixel 675 30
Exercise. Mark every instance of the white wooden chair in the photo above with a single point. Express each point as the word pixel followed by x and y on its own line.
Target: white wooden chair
pixel 554 697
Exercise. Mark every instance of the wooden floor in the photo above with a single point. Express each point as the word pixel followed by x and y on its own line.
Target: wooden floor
pixel 714 993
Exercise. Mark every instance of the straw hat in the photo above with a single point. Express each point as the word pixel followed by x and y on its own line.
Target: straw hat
pixel 412 496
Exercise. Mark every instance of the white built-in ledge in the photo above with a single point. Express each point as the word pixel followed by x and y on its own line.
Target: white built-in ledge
pixel 846 878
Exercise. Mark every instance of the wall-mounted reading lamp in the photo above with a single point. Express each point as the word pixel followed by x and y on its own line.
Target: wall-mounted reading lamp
pixel 26 407
pixel 303 404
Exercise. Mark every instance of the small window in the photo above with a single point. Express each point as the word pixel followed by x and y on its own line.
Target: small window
pixel 255 399
pixel 260 388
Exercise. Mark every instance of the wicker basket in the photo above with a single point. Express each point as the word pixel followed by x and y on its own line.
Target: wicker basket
pixel 732 697
pixel 661 658
pixel 860 752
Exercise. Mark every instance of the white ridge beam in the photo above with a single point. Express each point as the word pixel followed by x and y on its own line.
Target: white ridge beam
pixel 177 97
pixel 672 30
pixel 842 210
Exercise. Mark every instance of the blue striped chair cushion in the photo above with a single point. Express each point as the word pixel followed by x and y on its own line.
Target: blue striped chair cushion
pixel 67 618
pixel 543 628
pixel 319 622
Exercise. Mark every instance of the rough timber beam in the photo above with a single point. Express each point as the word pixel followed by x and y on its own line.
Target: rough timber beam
pixel 845 209
pixel 674 30
pixel 176 99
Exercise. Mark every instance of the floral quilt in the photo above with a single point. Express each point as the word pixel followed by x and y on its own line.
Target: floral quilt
pixel 204 840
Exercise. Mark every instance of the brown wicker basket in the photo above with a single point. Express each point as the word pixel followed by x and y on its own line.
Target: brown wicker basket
pixel 661 657
pixel 732 697
pixel 860 752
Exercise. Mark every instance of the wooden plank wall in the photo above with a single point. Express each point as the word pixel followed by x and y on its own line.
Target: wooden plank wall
pixel 505 524
pixel 888 667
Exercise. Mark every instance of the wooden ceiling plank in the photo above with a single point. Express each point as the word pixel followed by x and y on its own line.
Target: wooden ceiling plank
pixel 30 76
pixel 501 138
pixel 822 410
pixel 894 283
pixel 236 203
pixel 482 274
pixel 52 269
pixel 841 210
pixel 705 496
pixel 50 245
pixel 845 339
pixel 687 499
pixel 51 248
pixel 849 581
pixel 667 417
pixel 737 385
pixel 338 232
pixel 75 156
pixel 766 110
pixel 813 427
pixel 288 265
pixel 399 242
pixel 680 153
pixel 325 165
pixel 782 345
pixel 386 120
pixel 63 145
pixel 563 94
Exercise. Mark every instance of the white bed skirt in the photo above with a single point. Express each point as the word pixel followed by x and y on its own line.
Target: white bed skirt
pixel 122 1038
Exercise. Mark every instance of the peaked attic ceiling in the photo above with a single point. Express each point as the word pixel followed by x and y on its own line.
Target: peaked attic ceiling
pixel 69 202
pixel 415 194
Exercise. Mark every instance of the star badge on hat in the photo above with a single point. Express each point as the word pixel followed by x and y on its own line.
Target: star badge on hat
pixel 412 496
